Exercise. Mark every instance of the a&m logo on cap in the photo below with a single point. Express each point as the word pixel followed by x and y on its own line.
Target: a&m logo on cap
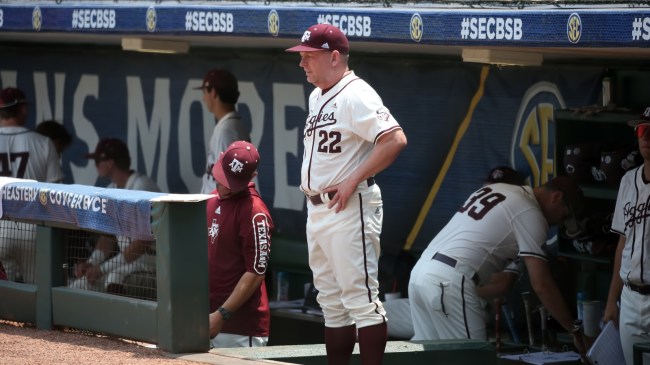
pixel 274 23
pixel 152 18
pixel 417 27
pixel 646 112
pixel 574 28
pixel 305 36
pixel 236 166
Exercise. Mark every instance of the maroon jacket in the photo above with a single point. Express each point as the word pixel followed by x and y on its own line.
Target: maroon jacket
pixel 239 241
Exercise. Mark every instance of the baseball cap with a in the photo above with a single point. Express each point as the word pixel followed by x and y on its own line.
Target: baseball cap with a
pixel 505 174
pixel 110 149
pixel 223 82
pixel 644 118
pixel 236 166
pixel 11 96
pixel 321 37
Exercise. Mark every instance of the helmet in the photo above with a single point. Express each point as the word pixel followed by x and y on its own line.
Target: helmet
pixel 579 159
pixel 614 164
pixel 593 236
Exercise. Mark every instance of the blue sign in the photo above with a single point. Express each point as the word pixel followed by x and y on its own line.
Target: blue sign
pixel 114 211
pixel 595 26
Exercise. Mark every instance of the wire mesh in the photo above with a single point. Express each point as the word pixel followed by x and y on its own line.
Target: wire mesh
pixel 104 263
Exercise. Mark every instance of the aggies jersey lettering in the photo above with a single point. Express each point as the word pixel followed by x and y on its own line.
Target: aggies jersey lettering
pixel 28 155
pixel 341 129
pixel 632 220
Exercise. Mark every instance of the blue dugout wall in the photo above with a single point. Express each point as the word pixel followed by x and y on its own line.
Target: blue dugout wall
pixel 460 119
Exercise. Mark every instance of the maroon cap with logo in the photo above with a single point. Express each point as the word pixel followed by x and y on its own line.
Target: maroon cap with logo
pixel 236 166
pixel 644 118
pixel 223 82
pixel 110 149
pixel 322 37
pixel 11 96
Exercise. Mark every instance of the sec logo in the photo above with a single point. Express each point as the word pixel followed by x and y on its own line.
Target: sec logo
pixel 274 23
pixel 532 151
pixel 574 28
pixel 151 19
pixel 37 18
pixel 42 196
pixel 417 27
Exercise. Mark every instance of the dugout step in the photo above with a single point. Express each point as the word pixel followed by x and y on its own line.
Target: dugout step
pixel 458 352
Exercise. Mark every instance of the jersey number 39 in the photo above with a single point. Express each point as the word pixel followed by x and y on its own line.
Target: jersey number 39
pixel 9 159
pixel 480 203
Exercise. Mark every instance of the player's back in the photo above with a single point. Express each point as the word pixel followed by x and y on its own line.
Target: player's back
pixel 28 155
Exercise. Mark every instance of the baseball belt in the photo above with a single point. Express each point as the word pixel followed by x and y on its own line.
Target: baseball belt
pixel 452 262
pixel 641 289
pixel 318 199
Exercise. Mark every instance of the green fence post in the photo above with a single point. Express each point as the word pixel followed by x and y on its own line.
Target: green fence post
pixel 49 272
pixel 182 273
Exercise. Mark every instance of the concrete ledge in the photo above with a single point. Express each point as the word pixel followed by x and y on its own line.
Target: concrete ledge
pixel 397 352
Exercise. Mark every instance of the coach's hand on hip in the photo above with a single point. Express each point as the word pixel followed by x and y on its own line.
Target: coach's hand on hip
pixel 342 191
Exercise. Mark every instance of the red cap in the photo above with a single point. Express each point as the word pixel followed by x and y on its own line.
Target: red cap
pixel 321 37
pixel 11 96
pixel 110 149
pixel 236 166
pixel 644 118
pixel 505 174
pixel 223 82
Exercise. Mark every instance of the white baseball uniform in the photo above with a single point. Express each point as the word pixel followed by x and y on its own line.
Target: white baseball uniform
pixel 631 220
pixel 341 129
pixel 229 129
pixel 498 223
pixel 116 268
pixel 24 154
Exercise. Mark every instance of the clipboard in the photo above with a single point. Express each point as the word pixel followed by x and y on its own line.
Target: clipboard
pixel 607 350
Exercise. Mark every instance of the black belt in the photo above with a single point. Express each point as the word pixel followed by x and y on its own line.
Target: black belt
pixel 641 289
pixel 318 200
pixel 452 262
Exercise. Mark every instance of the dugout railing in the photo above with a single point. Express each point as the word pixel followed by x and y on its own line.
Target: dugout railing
pixel 176 320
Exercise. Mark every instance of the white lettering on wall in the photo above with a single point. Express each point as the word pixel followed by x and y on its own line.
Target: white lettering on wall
pixel 151 132
pixel 251 98
pixel 285 141
pixel 8 78
pixel 191 178
pixel 84 129
pixel 43 106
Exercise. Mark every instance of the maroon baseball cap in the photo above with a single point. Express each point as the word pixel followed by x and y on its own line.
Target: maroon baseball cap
pixel 223 82
pixel 11 96
pixel 644 118
pixel 236 166
pixel 505 174
pixel 322 37
pixel 110 149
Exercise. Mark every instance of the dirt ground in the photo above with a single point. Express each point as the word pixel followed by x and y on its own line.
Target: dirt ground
pixel 22 344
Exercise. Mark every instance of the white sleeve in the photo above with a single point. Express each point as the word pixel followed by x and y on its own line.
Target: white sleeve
pixel 530 229
pixel 370 118
pixel 623 197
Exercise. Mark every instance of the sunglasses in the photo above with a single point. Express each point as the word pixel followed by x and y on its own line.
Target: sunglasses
pixel 640 129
